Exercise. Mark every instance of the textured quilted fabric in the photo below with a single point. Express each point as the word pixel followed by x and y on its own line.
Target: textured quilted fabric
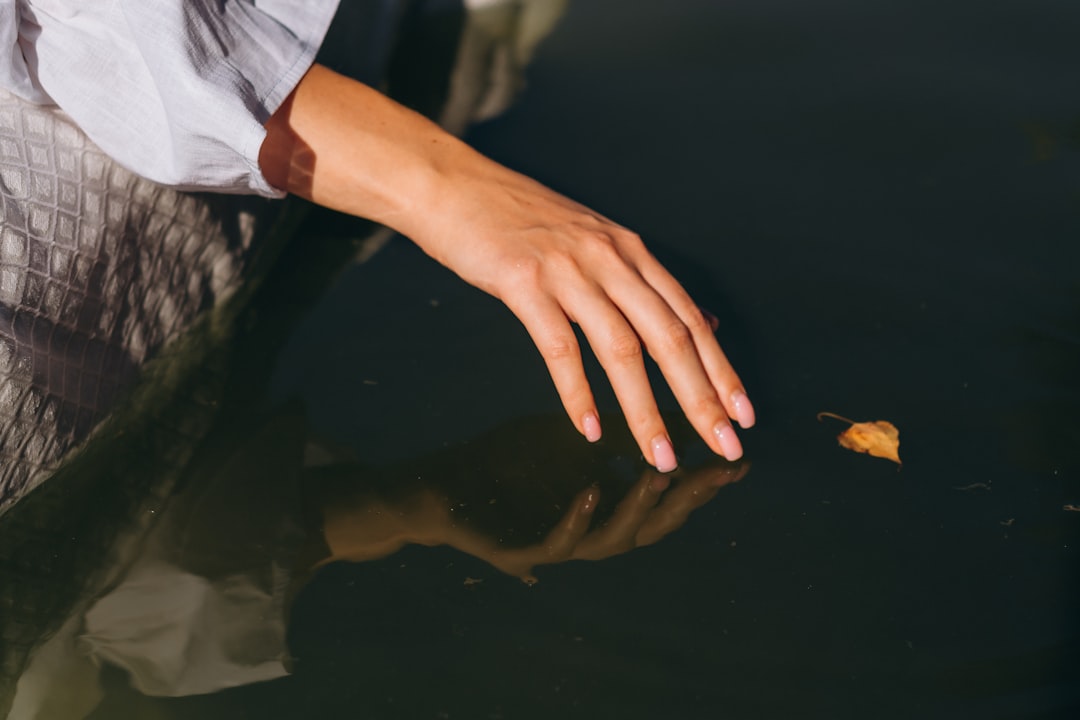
pixel 100 272
pixel 98 268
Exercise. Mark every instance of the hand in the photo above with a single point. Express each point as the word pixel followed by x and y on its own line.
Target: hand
pixel 646 515
pixel 370 528
pixel 551 260
pixel 554 262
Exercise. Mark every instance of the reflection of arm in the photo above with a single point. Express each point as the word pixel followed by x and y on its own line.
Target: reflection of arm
pixel 371 528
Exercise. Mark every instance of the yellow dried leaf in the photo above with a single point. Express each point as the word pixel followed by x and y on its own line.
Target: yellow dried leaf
pixel 879 438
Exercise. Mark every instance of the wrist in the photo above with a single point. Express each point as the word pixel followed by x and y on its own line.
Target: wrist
pixel 344 145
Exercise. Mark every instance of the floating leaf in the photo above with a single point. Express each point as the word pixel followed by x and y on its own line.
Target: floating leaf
pixel 879 438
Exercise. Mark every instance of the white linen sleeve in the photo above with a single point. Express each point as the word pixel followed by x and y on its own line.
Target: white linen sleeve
pixel 175 90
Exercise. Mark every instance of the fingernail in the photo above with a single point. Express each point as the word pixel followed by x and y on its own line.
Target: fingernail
pixel 744 411
pixel 591 423
pixel 664 454
pixel 729 441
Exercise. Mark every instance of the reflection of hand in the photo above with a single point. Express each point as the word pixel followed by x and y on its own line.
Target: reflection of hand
pixel 653 508
pixel 551 260
pixel 646 515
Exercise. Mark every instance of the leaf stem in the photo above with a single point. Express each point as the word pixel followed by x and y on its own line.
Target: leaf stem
pixel 835 417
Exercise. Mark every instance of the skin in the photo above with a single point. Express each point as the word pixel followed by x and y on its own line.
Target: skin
pixel 552 261
pixel 374 528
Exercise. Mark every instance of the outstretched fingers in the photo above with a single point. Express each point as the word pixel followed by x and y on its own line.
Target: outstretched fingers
pixel 687 495
pixel 547 317
pixel 626 303
pixel 703 325
pixel 618 535
pixel 620 352
pixel 554 337
pixel 679 338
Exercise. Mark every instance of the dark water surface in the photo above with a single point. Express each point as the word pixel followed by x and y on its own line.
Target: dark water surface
pixel 881 203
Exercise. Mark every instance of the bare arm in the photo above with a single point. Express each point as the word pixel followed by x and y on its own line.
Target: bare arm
pixel 552 261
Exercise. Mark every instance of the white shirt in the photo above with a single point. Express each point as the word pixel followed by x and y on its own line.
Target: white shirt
pixel 175 90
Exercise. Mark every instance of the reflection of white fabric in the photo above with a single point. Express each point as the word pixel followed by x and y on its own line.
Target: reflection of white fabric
pixel 498 41
pixel 200 603
pixel 175 632
pixel 197 603
pixel 60 684
pixel 530 22
pixel 181 634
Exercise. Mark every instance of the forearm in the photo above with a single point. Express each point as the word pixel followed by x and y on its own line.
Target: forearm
pixel 346 146
pixel 551 260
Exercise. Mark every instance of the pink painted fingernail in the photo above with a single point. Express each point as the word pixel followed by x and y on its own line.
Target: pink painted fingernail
pixel 729 441
pixel 664 454
pixel 591 423
pixel 744 411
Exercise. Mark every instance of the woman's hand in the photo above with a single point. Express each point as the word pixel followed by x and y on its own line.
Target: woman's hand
pixel 551 260
pixel 554 262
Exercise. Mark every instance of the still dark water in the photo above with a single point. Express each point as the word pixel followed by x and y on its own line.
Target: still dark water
pixel 881 202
